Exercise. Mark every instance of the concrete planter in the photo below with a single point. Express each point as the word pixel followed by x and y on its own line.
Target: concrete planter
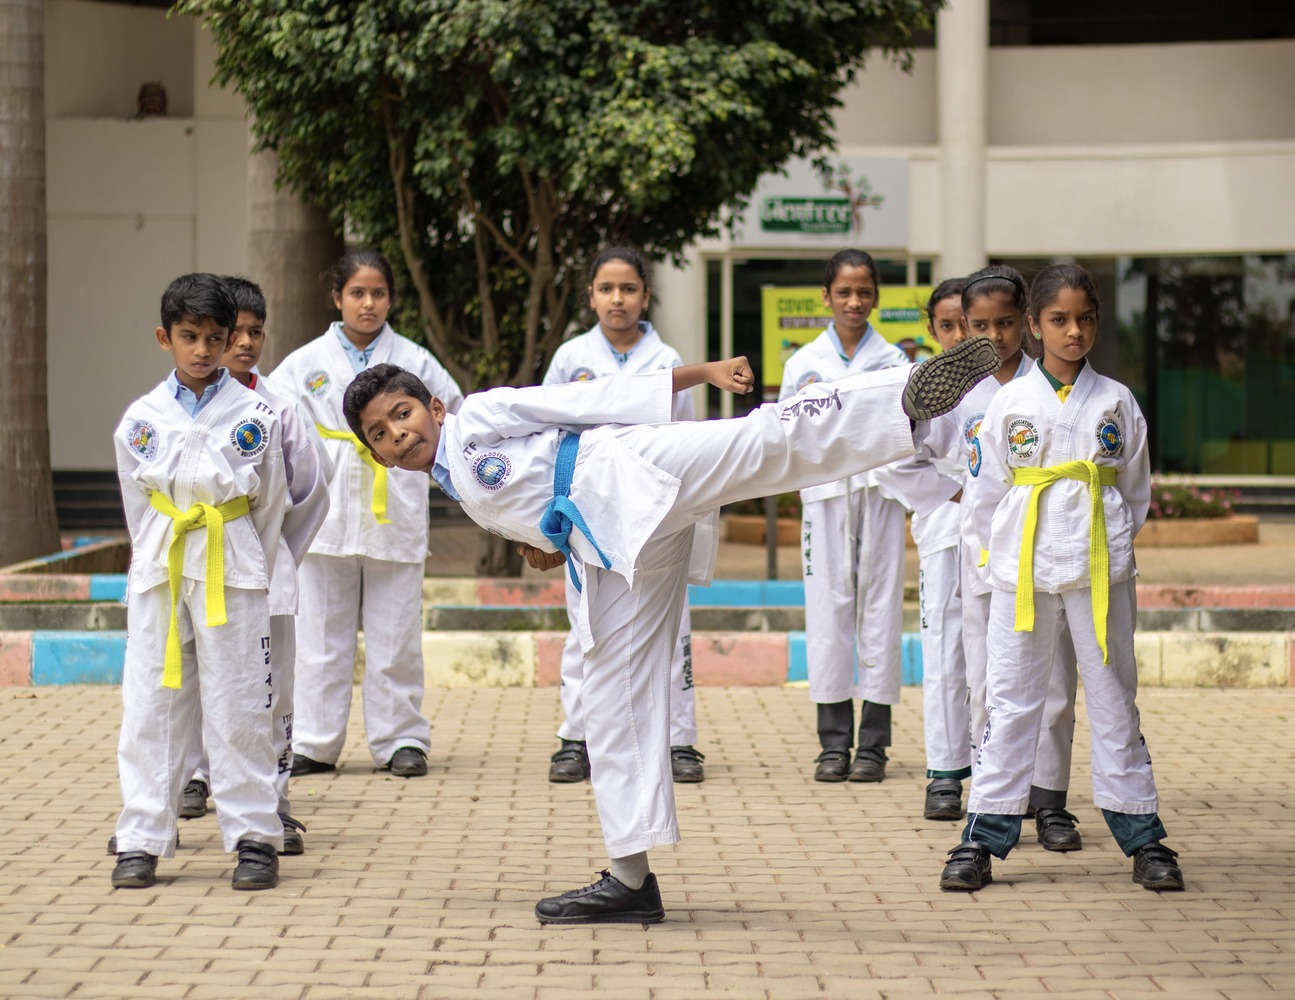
pixel 1191 532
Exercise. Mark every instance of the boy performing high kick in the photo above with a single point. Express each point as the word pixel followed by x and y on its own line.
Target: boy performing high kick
pixel 596 471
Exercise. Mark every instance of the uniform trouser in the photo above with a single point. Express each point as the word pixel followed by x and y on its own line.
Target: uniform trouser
pixel 947 721
pixel 337 596
pixel 225 689
pixel 1057 730
pixel 683 701
pixel 283 644
pixel 852 548
pixel 851 426
pixel 1020 665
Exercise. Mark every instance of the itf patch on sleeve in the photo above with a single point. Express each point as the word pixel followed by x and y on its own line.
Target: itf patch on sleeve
pixel 249 438
pixel 492 470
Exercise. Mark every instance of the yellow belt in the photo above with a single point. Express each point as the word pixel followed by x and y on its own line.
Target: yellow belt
pixel 1099 560
pixel 182 522
pixel 378 504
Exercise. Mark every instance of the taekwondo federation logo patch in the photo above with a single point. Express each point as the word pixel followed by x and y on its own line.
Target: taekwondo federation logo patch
pixel 808 379
pixel 492 470
pixel 317 384
pixel 971 438
pixel 583 375
pixel 1110 442
pixel 250 438
pixel 142 439
pixel 1022 438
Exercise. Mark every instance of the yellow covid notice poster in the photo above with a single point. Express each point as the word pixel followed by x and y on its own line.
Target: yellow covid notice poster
pixel 791 317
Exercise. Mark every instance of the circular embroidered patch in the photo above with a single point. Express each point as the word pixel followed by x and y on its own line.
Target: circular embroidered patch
pixel 249 438
pixel 492 470
pixel 583 375
pixel 972 427
pixel 1022 438
pixel 317 384
pixel 973 457
pixel 1110 442
pixel 808 379
pixel 142 439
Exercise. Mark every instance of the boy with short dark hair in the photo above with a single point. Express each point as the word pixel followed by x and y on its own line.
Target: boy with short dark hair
pixel 594 469
pixel 307 480
pixel 201 466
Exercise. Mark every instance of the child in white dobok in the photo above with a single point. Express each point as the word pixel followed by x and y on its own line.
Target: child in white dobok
pixel 594 469
pixel 623 343
pixel 1063 487
pixel 852 548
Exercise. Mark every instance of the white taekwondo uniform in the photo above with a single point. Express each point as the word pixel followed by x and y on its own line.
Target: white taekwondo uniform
pixel 852 547
pixel 361 573
pixel 307 480
pixel 920 483
pixel 640 489
pixel 580 359
pixel 1027 425
pixel 229 454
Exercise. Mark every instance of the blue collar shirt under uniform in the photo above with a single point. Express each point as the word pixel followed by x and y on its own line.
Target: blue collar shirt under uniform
pixel 644 329
pixel 835 338
pixel 441 470
pixel 188 399
pixel 358 358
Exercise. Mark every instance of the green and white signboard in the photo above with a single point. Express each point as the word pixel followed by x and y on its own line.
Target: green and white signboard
pixel 863 203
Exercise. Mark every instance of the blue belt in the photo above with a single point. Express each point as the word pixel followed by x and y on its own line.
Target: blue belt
pixel 561 515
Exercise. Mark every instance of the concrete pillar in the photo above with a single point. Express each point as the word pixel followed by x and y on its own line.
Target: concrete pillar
pixel 289 245
pixel 962 69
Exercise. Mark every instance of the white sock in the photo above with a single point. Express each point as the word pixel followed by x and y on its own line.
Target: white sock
pixel 631 870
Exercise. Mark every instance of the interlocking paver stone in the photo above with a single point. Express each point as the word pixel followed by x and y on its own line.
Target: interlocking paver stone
pixel 782 887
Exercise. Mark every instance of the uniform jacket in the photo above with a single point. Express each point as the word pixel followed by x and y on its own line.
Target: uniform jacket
pixel 589 356
pixel 819 361
pixel 1027 425
pixel 232 448
pixel 315 377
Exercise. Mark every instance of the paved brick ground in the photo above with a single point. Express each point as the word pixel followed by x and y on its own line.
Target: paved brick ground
pixel 782 888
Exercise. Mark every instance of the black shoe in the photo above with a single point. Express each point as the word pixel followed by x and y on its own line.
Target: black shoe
pixel 134 870
pixel 293 842
pixel 301 764
pixel 685 765
pixel 833 764
pixel 193 801
pixel 943 799
pixel 570 764
pixel 607 901
pixel 1057 831
pixel 869 765
pixel 258 866
pixel 969 867
pixel 408 762
pixel 1156 867
pixel 112 843
pixel 938 384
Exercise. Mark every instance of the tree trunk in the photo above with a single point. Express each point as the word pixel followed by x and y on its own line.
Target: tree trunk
pixel 28 521
pixel 498 557
pixel 289 246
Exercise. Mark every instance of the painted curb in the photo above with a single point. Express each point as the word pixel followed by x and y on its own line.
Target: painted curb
pixel 529 659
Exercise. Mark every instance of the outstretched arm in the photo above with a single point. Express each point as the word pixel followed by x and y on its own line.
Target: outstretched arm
pixel 732 375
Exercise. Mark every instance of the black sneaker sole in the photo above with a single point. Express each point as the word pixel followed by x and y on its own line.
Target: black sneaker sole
pixel 964 885
pixel 630 917
pixel 949 815
pixel 937 385
pixel 1062 848
pixel 1167 884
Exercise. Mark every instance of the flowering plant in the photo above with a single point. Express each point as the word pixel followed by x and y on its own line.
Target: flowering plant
pixel 1180 500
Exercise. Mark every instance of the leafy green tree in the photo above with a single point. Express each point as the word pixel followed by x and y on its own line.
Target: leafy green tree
pixel 491 146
